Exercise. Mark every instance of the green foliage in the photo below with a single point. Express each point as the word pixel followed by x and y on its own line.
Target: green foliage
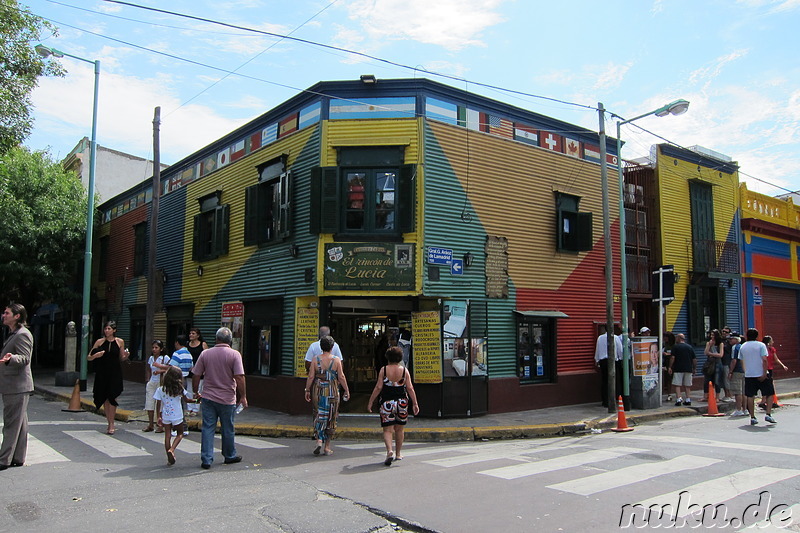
pixel 20 67
pixel 42 228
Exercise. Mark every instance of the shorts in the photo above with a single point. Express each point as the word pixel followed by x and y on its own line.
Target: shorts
pixel 682 379
pixel 149 390
pixel 753 385
pixel 737 383
pixel 394 412
pixel 173 422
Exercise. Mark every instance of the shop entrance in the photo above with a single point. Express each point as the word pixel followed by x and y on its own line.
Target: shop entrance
pixel 364 330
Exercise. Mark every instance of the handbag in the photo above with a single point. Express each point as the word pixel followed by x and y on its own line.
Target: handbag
pixel 710 366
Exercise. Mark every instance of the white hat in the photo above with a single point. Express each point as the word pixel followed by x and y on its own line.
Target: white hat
pixel 644 330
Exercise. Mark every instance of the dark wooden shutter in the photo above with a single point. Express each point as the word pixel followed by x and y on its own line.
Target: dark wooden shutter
pixel 251 218
pixel 407 198
pixel 221 219
pixel 583 234
pixel 197 245
pixel 325 204
pixel 284 200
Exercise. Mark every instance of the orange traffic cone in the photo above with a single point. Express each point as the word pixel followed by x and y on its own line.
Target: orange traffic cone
pixel 775 401
pixel 75 400
pixel 622 424
pixel 712 402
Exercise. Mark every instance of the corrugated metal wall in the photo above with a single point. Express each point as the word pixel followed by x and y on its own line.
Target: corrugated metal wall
pixel 170 245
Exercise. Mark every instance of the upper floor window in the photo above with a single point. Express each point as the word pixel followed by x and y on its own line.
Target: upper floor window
pixel 211 228
pixel 139 248
pixel 574 231
pixel 268 204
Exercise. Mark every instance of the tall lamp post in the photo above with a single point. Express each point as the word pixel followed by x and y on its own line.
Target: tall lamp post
pixel 678 107
pixel 46 51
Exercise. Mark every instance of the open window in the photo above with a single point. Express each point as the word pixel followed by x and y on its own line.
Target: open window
pixel 574 231
pixel 268 204
pixel 211 228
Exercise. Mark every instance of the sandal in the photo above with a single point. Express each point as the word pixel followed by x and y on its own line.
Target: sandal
pixel 111 431
pixel 317 449
pixel 159 430
pixel 388 461
pixel 148 429
pixel 171 458
pixel 328 452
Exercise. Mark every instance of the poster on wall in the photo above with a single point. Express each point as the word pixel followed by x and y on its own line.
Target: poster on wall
pixel 644 351
pixel 306 332
pixel 427 347
pixel 233 319
pixel 264 347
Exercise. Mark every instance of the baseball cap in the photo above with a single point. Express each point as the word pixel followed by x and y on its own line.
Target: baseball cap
pixel 644 330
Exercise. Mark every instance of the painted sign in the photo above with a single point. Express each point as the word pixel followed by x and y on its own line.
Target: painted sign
pixel 427 347
pixel 233 319
pixel 306 332
pixel 369 267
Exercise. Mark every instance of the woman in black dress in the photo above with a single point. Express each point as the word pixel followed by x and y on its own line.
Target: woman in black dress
pixel 108 354
pixel 196 346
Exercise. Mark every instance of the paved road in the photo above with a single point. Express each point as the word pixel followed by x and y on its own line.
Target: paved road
pixel 79 479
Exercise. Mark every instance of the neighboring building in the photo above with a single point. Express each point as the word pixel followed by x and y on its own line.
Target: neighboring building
pixel 115 171
pixel 400 207
pixel 771 231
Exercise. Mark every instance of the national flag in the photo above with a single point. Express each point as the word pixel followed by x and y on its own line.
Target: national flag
pixel 400 107
pixel 287 125
pixel 572 147
pixel 611 159
pixel 269 134
pixel 252 143
pixel 483 122
pixel 526 134
pixel 208 165
pixel 237 151
pixel 309 115
pixel 187 176
pixel 468 118
pixel 501 127
pixel 441 110
pixel 223 157
pixel 591 153
pixel 551 141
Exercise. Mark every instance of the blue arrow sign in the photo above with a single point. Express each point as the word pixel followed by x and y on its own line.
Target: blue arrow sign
pixel 457 268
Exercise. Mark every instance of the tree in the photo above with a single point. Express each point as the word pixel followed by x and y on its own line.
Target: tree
pixel 42 228
pixel 20 67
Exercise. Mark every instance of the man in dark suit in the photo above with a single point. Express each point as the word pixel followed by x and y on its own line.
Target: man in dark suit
pixel 16 386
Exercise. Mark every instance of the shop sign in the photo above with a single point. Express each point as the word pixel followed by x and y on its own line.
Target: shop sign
pixel 233 319
pixel 369 267
pixel 306 332
pixel 427 347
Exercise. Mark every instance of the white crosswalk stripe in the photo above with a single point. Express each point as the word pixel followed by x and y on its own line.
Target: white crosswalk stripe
pixel 589 485
pixel 40 453
pixel 672 440
pixel 106 444
pixel 559 463
pixel 251 442
pixel 779 521
pixel 186 445
pixel 722 489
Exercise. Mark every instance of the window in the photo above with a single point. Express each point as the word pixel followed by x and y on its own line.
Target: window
pixel 137 346
pixel 574 231
pixel 536 361
pixel 268 203
pixel 706 311
pixel 211 228
pixel 369 202
pixel 139 248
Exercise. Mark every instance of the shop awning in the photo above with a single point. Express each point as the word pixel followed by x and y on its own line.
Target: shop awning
pixel 542 314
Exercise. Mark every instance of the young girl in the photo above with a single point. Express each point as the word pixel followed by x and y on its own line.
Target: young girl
pixel 168 402
pixel 155 367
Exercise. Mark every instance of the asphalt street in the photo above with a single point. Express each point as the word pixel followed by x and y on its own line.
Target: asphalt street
pixel 79 479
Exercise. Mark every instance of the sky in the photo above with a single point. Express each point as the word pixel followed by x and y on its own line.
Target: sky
pixel 734 60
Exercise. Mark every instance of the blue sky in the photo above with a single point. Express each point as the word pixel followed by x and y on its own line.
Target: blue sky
pixel 734 60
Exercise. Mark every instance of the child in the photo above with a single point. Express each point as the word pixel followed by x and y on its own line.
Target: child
pixel 168 404
pixel 155 367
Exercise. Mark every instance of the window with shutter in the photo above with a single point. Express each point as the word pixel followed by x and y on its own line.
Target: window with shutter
pixel 210 232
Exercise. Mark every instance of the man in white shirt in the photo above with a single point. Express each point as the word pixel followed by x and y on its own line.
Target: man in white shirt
pixel 754 358
pixel 315 350
pixel 601 361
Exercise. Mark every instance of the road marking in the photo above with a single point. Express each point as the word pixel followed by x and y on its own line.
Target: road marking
pixel 473 458
pixel 186 445
pixel 614 479
pixel 767 526
pixel 373 445
pixel 65 423
pixel 106 444
pixel 716 444
pixel 559 463
pixel 39 453
pixel 254 442
pixel 716 491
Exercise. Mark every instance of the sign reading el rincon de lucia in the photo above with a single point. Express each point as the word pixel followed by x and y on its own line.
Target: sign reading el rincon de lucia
pixel 369 266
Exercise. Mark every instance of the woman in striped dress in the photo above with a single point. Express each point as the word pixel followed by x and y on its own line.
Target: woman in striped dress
pixel 322 389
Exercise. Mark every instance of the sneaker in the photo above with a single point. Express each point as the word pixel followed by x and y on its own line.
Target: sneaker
pixel 669 397
pixel 771 420
pixel 687 401
pixel 728 399
pixel 678 403
pixel 737 413
pixel 753 421
pixel 186 433
pixel 173 433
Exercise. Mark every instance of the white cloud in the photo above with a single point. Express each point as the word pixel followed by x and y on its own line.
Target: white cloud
pixel 451 24
pixel 596 77
pixel 611 76
pixel 708 73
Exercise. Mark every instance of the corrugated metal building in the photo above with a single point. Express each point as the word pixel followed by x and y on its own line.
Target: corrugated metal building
pixel 392 211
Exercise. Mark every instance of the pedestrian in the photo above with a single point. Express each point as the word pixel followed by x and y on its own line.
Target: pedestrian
pixel 669 342
pixel 394 390
pixel 222 370
pixel 736 375
pixel 16 386
pixel 195 346
pixel 772 358
pixel 682 367
pixel 314 348
pixel 322 389
pixel 724 370
pixel 713 352
pixel 169 398
pixel 108 354
pixel 601 362
pixel 153 372
pixel 754 356
pixel 182 358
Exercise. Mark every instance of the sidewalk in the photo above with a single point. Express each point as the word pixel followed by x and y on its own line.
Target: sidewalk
pixel 551 422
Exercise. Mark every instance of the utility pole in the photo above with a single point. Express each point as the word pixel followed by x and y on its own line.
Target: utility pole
pixel 152 272
pixel 609 272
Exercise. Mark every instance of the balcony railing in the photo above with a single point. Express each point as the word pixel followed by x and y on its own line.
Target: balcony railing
pixel 714 256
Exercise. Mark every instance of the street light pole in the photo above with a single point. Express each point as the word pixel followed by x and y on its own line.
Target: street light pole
pixel 609 266
pixel 46 51
pixel 678 107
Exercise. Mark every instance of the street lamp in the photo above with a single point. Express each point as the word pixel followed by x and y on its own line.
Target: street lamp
pixel 678 107
pixel 46 51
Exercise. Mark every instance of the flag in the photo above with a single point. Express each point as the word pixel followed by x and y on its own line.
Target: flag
pixel 269 134
pixel 309 115
pixel 252 143
pixel 572 147
pixel 223 157
pixel 591 153
pixel 551 141
pixel 468 118
pixel 287 125
pixel 526 134
pixel 208 165
pixel 483 122
pixel 612 160
pixel 400 107
pixel 441 110
pixel 501 127
pixel 237 151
